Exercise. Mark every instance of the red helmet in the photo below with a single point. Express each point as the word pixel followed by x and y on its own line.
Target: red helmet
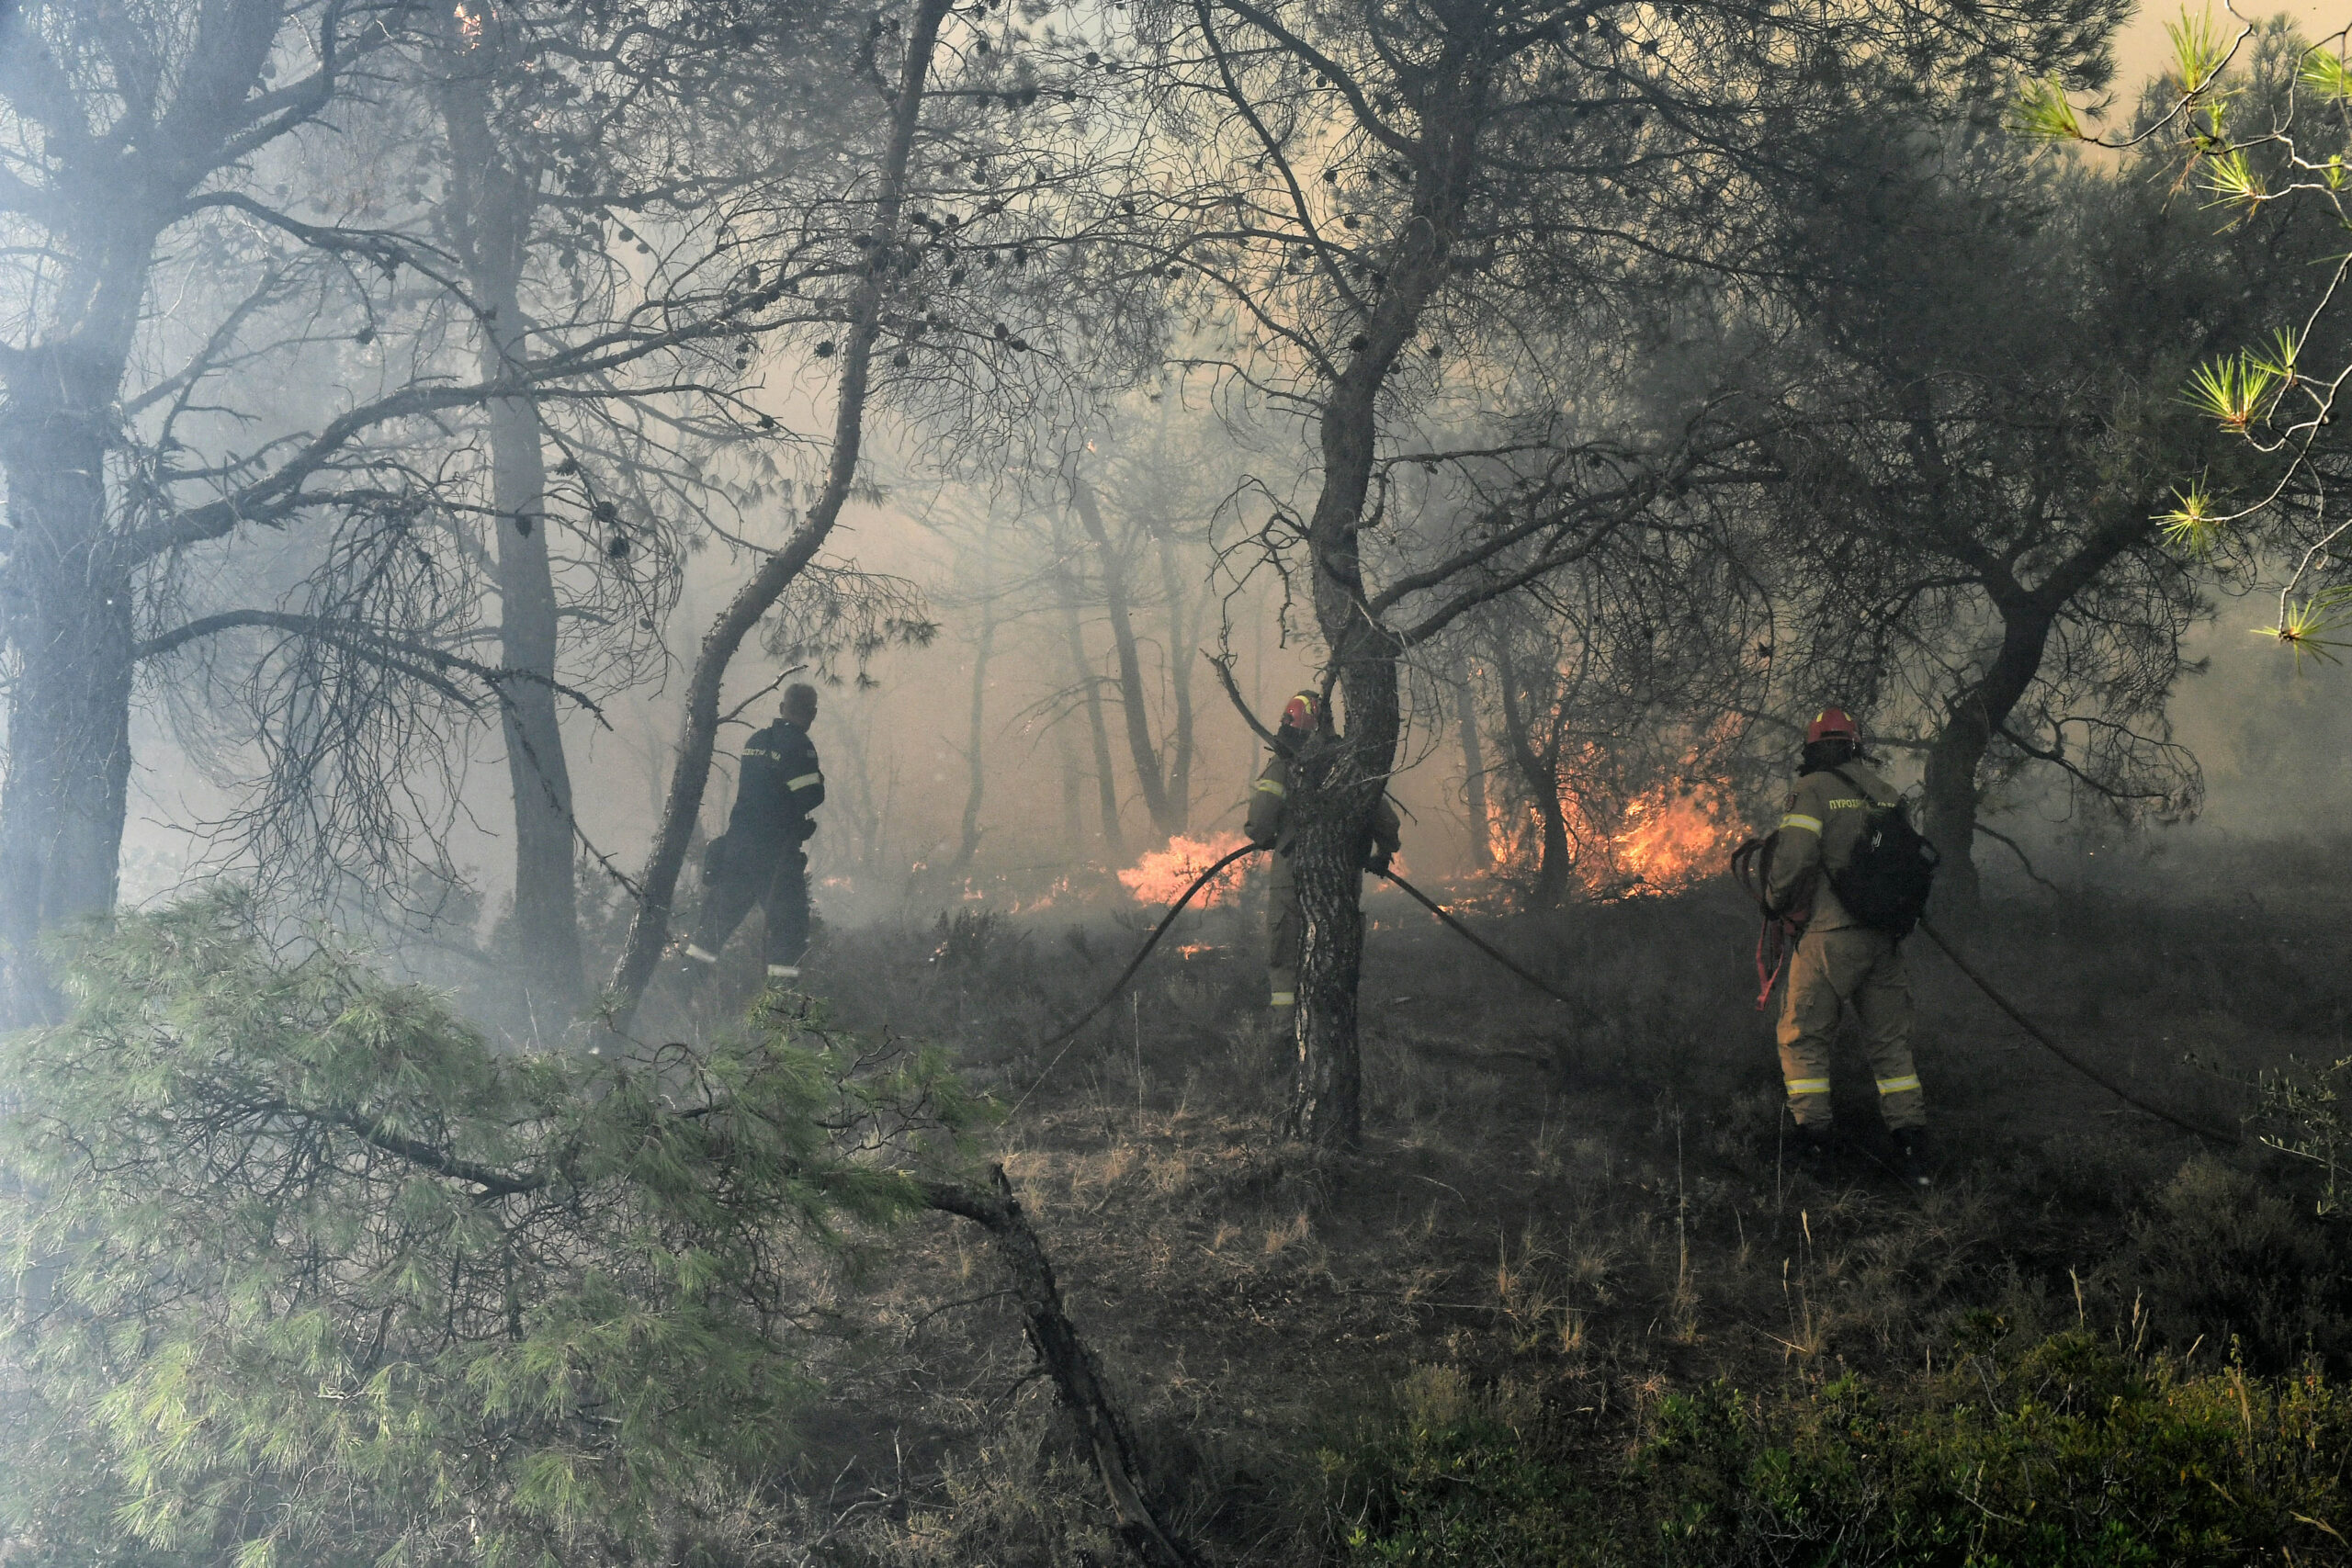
pixel 1831 722
pixel 1298 714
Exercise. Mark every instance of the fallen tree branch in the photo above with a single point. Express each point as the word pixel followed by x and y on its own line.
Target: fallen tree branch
pixel 1030 1283
pixel 1065 1357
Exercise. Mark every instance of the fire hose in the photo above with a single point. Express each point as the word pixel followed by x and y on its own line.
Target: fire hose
pixel 1067 1035
pixel 1583 1010
pixel 1774 948
pixel 2019 1019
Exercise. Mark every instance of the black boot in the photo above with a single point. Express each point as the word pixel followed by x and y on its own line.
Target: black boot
pixel 1911 1144
pixel 1812 1146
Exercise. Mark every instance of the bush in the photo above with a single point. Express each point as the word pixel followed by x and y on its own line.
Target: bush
pixel 2070 1454
pixel 319 1278
pixel 1450 1482
pixel 2221 1255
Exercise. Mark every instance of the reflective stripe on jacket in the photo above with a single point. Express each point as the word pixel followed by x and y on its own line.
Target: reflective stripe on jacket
pixel 1269 817
pixel 782 783
pixel 1818 829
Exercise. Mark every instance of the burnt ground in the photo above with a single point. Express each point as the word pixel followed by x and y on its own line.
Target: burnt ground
pixel 1573 1213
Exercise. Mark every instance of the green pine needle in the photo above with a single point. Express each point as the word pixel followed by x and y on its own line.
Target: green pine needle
pixel 2044 110
pixel 2327 75
pixel 2190 526
pixel 2233 390
pixel 2198 50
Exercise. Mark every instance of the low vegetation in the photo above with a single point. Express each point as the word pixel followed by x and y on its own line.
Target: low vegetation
pixel 1571 1304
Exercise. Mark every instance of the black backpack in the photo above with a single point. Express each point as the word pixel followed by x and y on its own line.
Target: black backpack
pixel 1886 884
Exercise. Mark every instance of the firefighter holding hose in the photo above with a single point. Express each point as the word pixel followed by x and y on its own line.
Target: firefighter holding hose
pixel 1268 827
pixel 1841 820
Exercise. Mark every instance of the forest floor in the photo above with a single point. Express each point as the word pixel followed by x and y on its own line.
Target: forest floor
pixel 1562 1221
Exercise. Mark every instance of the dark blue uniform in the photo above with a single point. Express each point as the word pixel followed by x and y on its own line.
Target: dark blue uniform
pixel 759 859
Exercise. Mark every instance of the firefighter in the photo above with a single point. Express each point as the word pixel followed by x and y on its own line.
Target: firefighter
pixel 1837 959
pixel 759 859
pixel 1285 922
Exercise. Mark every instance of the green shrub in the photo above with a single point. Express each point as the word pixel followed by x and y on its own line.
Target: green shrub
pixel 2070 1454
pixel 318 1277
pixel 1448 1483
pixel 2221 1255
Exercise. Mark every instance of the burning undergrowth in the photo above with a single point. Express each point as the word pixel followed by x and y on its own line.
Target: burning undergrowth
pixel 1622 824
pixel 1667 838
pixel 1162 876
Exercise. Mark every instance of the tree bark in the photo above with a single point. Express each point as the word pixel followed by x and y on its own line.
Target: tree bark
pixel 1473 767
pixel 1182 632
pixel 1975 716
pixel 1328 841
pixel 649 930
pixel 67 587
pixel 491 205
pixel 66 610
pixel 1336 781
pixel 1113 571
pixel 1106 781
pixel 1540 773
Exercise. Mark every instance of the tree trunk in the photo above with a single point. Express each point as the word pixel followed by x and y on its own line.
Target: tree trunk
pixel 1182 631
pixel 66 608
pixel 1122 641
pixel 1327 841
pixel 1473 767
pixel 1975 716
pixel 865 809
pixel 544 933
pixel 1336 781
pixel 547 902
pixel 976 773
pixel 1073 792
pixel 648 930
pixel 1106 781
pixel 490 208
pixel 1541 775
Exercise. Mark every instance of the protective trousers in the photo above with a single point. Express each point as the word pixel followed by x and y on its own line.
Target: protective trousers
pixel 1285 939
pixel 778 880
pixel 1861 967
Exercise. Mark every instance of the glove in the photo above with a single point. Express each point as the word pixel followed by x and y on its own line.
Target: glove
pixel 1376 863
pixel 714 859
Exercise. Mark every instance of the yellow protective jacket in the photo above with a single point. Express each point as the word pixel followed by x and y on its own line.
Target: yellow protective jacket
pixel 1819 828
pixel 1269 818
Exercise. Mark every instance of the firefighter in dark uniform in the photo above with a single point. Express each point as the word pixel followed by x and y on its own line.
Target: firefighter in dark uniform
pixel 759 859
pixel 1839 961
pixel 1285 922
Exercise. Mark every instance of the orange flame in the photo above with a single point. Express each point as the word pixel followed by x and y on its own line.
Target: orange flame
pixel 1674 835
pixel 1161 876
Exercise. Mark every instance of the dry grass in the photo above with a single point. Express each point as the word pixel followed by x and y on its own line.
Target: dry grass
pixel 1571 1219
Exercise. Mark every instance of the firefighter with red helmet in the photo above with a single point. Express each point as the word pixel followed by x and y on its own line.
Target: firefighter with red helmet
pixel 1837 959
pixel 1269 829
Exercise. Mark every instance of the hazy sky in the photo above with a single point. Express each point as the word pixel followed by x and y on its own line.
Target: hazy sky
pixel 2143 49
